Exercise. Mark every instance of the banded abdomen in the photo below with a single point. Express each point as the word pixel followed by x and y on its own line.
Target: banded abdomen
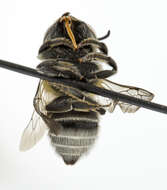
pixel 73 133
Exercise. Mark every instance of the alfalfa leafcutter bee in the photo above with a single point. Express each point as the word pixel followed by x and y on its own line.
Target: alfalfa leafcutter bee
pixel 71 50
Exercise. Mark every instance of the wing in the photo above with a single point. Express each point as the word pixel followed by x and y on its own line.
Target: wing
pixel 37 127
pixel 127 90
pixel 33 132
pixel 44 95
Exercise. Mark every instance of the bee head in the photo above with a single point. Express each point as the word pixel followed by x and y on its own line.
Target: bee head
pixel 71 28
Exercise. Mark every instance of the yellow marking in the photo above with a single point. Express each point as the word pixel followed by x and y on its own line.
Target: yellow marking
pixel 68 21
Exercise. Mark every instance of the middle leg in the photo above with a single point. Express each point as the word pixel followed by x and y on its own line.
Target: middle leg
pixel 100 57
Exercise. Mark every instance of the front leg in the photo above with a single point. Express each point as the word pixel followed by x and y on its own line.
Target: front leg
pixel 55 43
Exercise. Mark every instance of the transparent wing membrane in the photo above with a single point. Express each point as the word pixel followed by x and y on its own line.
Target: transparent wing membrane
pixel 45 94
pixel 127 90
pixel 37 127
pixel 33 132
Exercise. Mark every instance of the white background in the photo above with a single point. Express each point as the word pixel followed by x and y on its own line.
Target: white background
pixel 131 150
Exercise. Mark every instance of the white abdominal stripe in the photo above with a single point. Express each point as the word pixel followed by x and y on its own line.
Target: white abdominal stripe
pixel 76 119
pixel 72 141
pixel 72 145
pixel 76 116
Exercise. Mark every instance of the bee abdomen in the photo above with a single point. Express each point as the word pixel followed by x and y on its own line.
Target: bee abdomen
pixel 74 137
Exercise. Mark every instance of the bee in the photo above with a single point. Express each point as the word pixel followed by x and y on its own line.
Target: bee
pixel 71 50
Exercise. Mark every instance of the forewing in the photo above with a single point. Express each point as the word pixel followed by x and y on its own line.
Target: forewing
pixel 33 132
pixel 127 90
pixel 44 95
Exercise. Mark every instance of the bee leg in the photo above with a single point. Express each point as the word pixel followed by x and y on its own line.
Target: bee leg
pixel 90 41
pixel 80 97
pixel 57 68
pixel 65 104
pixel 99 75
pixel 74 93
pixel 84 107
pixel 54 43
pixel 100 57
pixel 60 105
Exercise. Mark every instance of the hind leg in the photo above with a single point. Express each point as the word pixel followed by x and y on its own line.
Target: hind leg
pixel 80 100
